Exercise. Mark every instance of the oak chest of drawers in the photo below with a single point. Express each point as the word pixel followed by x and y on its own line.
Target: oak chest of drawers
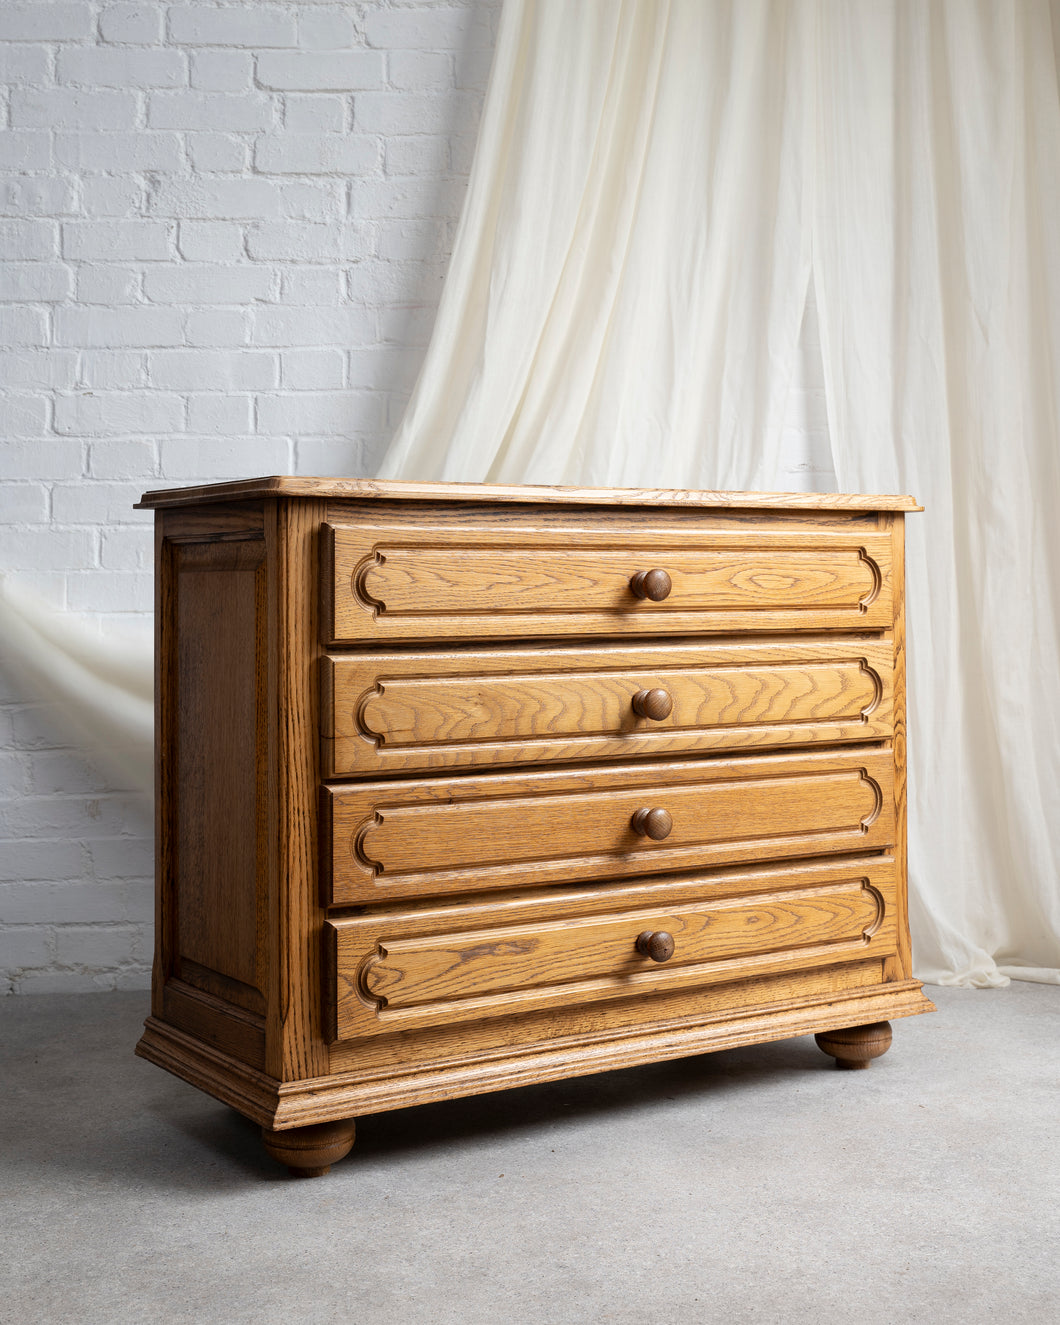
pixel 463 787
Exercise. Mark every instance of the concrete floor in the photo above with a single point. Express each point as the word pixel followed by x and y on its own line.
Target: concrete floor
pixel 756 1185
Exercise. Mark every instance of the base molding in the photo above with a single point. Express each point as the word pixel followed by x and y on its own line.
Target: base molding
pixel 278 1105
pixel 243 1088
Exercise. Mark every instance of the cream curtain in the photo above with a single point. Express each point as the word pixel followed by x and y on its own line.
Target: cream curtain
pixel 937 270
pixel 94 691
pixel 654 185
pixel 627 285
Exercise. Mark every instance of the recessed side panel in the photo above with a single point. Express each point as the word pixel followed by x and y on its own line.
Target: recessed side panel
pixel 217 769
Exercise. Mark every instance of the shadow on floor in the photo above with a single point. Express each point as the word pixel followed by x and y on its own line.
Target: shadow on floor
pixel 83 1106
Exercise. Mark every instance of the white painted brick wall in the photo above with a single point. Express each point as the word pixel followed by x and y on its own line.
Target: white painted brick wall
pixel 223 230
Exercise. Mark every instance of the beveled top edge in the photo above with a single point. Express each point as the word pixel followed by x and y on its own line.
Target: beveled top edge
pixel 278 485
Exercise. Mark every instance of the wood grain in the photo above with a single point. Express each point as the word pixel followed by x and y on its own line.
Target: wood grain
pixel 210 722
pixel 165 885
pixel 220 795
pixel 505 581
pixel 379 1056
pixel 750 1012
pixel 396 1071
pixel 461 834
pixel 902 968
pixel 296 1036
pixel 361 489
pixel 216 1021
pixel 458 779
pixel 310 1151
pixel 391 712
pixel 394 972
pixel 856 1046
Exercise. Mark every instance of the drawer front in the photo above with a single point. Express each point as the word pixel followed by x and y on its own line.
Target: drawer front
pixel 418 969
pixel 468 834
pixel 395 712
pixel 495 583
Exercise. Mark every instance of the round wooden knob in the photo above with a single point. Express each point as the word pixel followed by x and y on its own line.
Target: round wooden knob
pixel 656 944
pixel 653 584
pixel 655 824
pixel 654 704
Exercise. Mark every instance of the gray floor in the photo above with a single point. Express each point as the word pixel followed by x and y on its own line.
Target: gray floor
pixel 753 1185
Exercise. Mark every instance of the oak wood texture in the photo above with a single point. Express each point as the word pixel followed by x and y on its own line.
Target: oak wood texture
pixel 902 966
pixel 310 1151
pixel 220 801
pixel 504 581
pixel 391 712
pixel 360 489
pixel 211 955
pixel 352 1089
pixel 388 1068
pixel 415 968
pixel 404 735
pixel 296 1017
pixel 470 833
pixel 856 1046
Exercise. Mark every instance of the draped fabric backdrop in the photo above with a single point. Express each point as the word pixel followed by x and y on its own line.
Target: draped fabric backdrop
pixel 655 186
pixel 99 689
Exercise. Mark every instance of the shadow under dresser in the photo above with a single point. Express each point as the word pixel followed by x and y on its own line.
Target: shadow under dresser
pixel 463 787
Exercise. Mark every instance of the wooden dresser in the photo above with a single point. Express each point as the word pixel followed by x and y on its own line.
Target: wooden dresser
pixel 463 787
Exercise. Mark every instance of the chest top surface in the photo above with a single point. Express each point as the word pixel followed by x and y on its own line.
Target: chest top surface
pixel 367 489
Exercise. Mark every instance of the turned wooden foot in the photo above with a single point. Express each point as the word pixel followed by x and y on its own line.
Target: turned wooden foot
pixel 856 1046
pixel 309 1152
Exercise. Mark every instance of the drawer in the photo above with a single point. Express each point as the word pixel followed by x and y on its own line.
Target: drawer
pixel 467 834
pixel 398 711
pixel 419 968
pixel 496 582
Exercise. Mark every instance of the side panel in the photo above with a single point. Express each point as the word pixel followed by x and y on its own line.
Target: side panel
pixel 213 719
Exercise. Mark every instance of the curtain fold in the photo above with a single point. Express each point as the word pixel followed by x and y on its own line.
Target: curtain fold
pixel 937 270
pixel 96 692
pixel 633 255
pixel 654 185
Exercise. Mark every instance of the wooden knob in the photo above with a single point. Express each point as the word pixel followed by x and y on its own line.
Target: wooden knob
pixel 654 704
pixel 655 824
pixel 656 944
pixel 653 584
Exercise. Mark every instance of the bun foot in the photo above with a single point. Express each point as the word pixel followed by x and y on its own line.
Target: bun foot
pixel 309 1152
pixel 858 1045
